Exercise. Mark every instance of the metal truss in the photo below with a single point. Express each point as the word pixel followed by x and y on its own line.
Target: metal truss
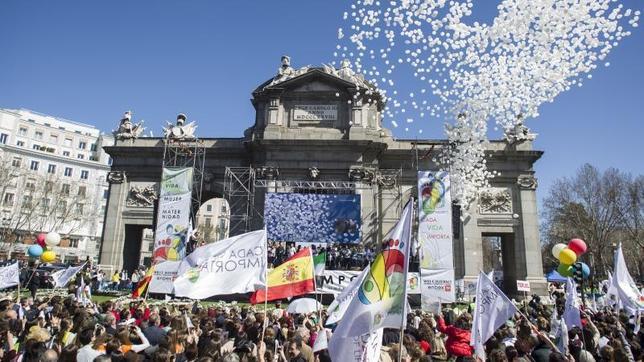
pixel 191 154
pixel 239 191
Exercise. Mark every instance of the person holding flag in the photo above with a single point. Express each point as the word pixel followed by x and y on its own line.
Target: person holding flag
pixel 142 285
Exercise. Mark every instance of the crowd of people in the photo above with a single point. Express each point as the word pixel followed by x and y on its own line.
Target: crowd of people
pixel 67 328
pixel 338 256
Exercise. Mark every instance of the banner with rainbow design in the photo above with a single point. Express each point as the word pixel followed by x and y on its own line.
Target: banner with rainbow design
pixel 435 220
pixel 381 299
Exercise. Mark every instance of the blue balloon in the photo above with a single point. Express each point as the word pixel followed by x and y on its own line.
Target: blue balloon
pixel 585 270
pixel 35 251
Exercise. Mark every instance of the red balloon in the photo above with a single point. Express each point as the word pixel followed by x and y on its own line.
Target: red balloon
pixel 41 243
pixel 578 246
pixel 40 238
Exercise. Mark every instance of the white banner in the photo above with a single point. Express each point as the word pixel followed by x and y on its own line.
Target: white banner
pixel 230 266
pixel 437 285
pixel 9 276
pixel 163 277
pixel 523 286
pixel 173 217
pixel 335 281
pixel 341 302
pixel 62 278
pixel 435 220
pixel 365 348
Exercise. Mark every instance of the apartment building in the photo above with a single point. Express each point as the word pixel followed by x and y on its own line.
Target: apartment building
pixel 52 178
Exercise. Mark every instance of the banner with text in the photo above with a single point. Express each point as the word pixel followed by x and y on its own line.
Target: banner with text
pixel 163 277
pixel 173 217
pixel 334 281
pixel 436 286
pixel 435 220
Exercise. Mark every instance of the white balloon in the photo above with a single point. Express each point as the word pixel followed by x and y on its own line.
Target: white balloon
pixel 52 238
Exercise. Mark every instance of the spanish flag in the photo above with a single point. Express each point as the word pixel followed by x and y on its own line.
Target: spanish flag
pixel 295 276
pixel 143 283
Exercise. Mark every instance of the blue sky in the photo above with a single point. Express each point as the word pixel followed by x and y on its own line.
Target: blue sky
pixel 89 61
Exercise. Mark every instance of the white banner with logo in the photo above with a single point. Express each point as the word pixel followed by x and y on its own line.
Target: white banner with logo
pixel 163 277
pixel 173 217
pixel 230 266
pixel 436 286
pixel 435 220
pixel 334 281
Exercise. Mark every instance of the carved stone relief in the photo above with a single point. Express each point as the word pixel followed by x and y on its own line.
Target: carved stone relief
pixel 141 196
pixel 495 201
pixel 116 177
pixel 527 182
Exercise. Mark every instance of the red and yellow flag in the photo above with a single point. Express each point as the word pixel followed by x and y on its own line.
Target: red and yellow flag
pixel 296 276
pixel 143 283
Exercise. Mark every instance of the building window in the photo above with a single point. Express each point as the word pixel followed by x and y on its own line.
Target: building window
pixel 106 193
pixel 80 156
pixel 49 185
pixel 53 138
pixel 61 127
pixel 84 174
pixel 8 199
pixel 68 142
pixel 93 147
pixel 65 189
pixel 209 208
pixel 38 135
pixel 20 143
pixel 26 202
pixel 68 171
pixel 17 161
pixel 66 153
pixel 30 185
pixel 82 190
pixel 51 168
pixel 48 124
pixel 82 145
pixel 22 131
pixel 46 203
pixel 35 147
pixel 3 138
pixel 34 165
pixel 73 243
pixel 62 205
pixel 79 208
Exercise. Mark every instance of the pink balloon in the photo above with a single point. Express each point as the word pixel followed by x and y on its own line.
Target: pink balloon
pixel 578 246
pixel 40 238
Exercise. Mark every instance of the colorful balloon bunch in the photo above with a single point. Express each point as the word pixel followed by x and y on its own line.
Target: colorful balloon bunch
pixel 43 243
pixel 568 255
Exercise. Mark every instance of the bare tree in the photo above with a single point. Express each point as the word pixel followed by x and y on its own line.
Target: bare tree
pixel 43 203
pixel 603 209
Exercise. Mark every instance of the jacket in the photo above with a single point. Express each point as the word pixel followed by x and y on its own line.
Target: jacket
pixel 458 340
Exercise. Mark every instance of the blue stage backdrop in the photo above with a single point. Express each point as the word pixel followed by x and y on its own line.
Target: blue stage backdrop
pixel 312 217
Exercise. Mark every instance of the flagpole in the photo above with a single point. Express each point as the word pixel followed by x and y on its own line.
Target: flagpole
pixel 265 324
pixel 403 320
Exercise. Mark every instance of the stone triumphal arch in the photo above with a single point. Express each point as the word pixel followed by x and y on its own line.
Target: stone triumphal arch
pixel 318 129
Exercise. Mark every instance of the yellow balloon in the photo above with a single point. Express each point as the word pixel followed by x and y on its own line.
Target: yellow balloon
pixel 48 256
pixel 567 257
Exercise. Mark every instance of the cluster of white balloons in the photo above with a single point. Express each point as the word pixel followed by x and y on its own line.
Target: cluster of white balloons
pixel 469 74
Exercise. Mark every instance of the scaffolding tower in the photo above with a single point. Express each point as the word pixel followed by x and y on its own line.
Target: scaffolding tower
pixel 239 191
pixel 187 153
